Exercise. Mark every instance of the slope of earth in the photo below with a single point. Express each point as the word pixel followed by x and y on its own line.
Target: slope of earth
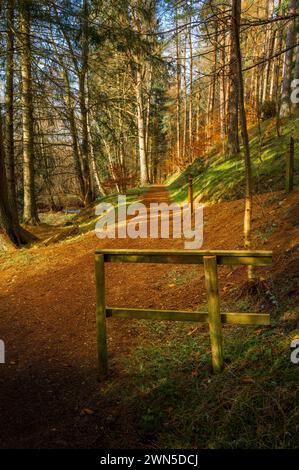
pixel 217 177
pixel 160 391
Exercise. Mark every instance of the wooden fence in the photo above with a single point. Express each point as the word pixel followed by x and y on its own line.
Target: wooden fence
pixel 210 259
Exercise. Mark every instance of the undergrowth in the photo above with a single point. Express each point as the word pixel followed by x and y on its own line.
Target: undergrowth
pixel 176 401
pixel 217 178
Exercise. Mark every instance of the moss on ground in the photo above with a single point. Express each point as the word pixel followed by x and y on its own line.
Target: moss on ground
pixel 217 178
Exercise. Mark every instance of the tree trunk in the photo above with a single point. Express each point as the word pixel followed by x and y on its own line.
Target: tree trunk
pixel 233 146
pixel 15 234
pixel 286 105
pixel 236 15
pixel 99 185
pixel 9 112
pixel 296 72
pixel 197 121
pixel 191 93
pixel 30 215
pixel 70 111
pixel 214 79
pixel 185 109
pixel 148 106
pixel 178 95
pixel 5 215
pixel 296 68
pixel 141 128
pixel 222 92
pixel 267 82
pixel 83 107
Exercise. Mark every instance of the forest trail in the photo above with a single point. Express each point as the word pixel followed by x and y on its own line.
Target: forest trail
pixel 49 393
pixel 97 98
pixel 156 193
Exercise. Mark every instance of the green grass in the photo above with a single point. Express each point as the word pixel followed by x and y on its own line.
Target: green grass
pixel 218 178
pixel 19 258
pixel 177 277
pixel 87 219
pixel 55 218
pixel 264 233
pixel 176 402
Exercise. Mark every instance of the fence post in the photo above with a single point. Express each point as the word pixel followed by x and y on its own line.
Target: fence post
pixel 101 316
pixel 211 278
pixel 289 184
pixel 190 192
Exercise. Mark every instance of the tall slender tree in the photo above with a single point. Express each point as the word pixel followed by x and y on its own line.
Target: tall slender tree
pixel 83 97
pixel 9 111
pixel 286 105
pixel 30 215
pixel 236 17
pixel 233 146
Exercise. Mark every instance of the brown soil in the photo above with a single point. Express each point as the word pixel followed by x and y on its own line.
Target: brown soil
pixel 49 394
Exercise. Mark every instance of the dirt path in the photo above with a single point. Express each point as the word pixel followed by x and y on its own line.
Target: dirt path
pixel 49 396
pixel 156 194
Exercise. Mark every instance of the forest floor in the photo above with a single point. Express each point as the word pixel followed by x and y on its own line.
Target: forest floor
pixel 160 391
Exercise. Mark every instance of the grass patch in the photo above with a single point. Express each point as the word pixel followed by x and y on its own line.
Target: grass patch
pixel 21 257
pixel 176 402
pixel 87 219
pixel 178 277
pixel 55 218
pixel 217 178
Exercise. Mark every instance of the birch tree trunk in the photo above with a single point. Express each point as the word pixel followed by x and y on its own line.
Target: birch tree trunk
pixel 141 128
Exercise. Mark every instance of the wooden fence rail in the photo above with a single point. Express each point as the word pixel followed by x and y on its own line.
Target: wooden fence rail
pixel 210 259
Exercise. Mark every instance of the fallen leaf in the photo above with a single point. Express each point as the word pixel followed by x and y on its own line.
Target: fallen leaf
pixel 87 411
pixel 192 331
pixel 247 380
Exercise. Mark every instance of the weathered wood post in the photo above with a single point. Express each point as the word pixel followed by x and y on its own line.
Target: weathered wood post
pixel 289 183
pixel 190 192
pixel 211 278
pixel 101 316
